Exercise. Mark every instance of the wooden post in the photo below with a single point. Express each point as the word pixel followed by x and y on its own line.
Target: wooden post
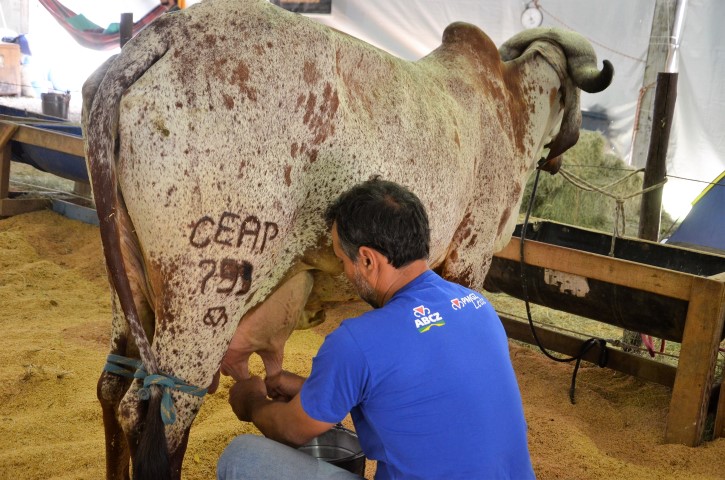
pixel 661 56
pixel 696 367
pixel 6 133
pixel 126 31
pixel 719 427
pixel 12 206
pixel 656 169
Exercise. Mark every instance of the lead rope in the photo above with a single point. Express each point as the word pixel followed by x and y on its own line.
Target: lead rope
pixel 586 345
pixel 134 368
pixel 619 218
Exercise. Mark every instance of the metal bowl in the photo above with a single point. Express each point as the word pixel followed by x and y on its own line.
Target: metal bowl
pixel 338 446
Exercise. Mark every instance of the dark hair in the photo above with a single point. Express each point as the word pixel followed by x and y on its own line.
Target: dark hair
pixel 381 215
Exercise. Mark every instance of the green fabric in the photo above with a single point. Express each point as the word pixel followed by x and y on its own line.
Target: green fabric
pixel 112 28
pixel 80 22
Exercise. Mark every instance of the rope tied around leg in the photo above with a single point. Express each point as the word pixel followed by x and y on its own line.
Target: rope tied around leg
pixel 134 368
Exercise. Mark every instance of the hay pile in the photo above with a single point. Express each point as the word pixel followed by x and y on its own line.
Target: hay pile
pixel 561 201
pixel 55 319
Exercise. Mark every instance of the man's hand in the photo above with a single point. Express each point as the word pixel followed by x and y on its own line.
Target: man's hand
pixel 283 421
pixel 284 386
pixel 247 395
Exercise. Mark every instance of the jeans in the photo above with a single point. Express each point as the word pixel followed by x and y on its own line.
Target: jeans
pixel 252 457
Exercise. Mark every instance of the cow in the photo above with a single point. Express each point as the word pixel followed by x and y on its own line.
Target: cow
pixel 216 139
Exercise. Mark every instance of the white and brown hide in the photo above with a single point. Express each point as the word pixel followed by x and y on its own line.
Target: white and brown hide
pixel 218 136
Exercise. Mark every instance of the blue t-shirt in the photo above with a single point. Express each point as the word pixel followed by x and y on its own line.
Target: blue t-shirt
pixel 429 384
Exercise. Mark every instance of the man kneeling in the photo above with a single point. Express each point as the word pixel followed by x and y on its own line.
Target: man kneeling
pixel 426 375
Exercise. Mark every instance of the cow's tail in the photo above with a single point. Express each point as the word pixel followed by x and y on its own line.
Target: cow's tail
pixel 102 94
pixel 152 454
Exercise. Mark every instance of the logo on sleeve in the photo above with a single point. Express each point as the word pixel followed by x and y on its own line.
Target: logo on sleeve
pixel 424 319
pixel 472 298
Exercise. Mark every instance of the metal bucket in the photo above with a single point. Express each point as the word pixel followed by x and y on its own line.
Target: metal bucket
pixel 340 447
pixel 56 104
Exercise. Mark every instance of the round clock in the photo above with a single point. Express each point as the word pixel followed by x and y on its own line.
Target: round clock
pixel 532 17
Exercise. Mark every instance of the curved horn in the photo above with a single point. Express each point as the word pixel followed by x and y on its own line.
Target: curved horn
pixel 580 56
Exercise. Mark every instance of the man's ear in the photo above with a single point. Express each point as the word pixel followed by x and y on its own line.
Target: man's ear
pixel 369 258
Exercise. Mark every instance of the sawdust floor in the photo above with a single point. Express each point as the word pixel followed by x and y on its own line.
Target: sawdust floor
pixel 54 319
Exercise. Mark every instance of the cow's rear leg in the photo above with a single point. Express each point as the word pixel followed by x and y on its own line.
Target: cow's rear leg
pixel 265 329
pixel 110 390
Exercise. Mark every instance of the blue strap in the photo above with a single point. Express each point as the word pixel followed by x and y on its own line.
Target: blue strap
pixel 125 367
pixel 133 368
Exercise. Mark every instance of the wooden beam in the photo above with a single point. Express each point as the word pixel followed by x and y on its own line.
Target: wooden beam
pixel 640 367
pixel 35 121
pixel 698 353
pixel 52 140
pixel 15 206
pixel 600 267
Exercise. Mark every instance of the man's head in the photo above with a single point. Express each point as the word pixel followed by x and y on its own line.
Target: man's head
pixel 379 229
pixel 384 216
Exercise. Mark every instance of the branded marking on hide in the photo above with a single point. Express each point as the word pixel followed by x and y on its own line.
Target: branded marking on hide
pixel 231 231
pixel 215 316
pixel 229 273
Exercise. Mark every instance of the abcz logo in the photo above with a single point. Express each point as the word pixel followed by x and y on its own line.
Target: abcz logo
pixel 424 319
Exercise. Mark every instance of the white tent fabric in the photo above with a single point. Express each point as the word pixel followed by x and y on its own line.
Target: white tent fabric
pixel 619 31
pixel 412 28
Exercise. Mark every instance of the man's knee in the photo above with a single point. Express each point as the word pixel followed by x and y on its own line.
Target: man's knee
pixel 254 456
pixel 245 446
pixel 257 457
pixel 248 441
pixel 237 454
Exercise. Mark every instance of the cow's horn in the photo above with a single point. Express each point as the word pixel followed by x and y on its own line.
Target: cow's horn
pixel 580 56
pixel 592 80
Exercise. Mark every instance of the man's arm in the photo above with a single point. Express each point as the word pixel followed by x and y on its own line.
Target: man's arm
pixel 285 422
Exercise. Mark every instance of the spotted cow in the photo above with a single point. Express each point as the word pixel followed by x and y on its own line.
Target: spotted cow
pixel 218 136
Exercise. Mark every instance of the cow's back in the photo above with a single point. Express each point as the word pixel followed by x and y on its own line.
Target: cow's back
pixel 254 121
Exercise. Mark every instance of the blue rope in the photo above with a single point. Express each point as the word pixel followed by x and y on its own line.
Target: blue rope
pixel 134 368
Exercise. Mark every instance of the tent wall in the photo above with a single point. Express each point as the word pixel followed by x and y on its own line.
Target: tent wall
pixel 618 29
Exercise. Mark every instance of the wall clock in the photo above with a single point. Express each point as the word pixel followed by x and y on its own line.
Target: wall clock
pixel 532 17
